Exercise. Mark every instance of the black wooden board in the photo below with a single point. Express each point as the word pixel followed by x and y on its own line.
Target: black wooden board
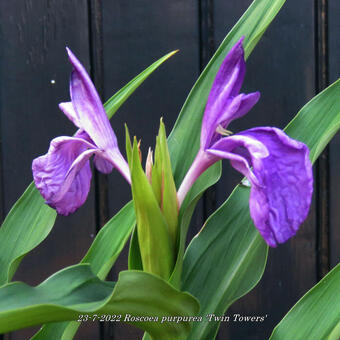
pixel 334 74
pixel 34 79
pixel 118 39
pixel 282 68
pixel 135 35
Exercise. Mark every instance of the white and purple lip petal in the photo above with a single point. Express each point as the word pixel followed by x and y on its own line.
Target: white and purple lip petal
pixel 277 166
pixel 63 175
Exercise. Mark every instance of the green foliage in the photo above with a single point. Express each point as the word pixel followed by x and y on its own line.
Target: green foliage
pixel 77 291
pixel 229 243
pixel 27 224
pixel 30 220
pixel 156 248
pixel 110 241
pixel 184 139
pixel 101 256
pixel 318 121
pixel 119 98
pixel 163 184
pixel 316 315
pixel 223 262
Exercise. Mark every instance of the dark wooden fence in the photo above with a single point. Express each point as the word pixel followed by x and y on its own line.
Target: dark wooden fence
pixel 296 58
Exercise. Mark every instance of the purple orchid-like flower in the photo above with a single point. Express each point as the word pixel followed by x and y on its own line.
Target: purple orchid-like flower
pixel 63 175
pixel 277 166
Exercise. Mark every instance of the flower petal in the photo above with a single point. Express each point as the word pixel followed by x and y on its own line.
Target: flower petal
pixel 104 161
pixel 239 106
pixel 93 119
pixel 70 113
pixel 63 175
pixel 227 84
pixel 281 191
pixel 102 165
pixel 89 108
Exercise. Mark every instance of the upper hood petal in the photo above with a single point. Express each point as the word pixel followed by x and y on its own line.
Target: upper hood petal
pixel 91 116
pixel 227 84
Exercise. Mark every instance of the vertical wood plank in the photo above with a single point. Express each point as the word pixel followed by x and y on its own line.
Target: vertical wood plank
pixel 334 74
pixel 35 74
pixel 207 49
pixel 135 35
pixel 322 166
pixel 207 38
pixel 282 69
pixel 97 74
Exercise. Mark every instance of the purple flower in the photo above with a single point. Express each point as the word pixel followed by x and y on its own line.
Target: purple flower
pixel 277 166
pixel 63 175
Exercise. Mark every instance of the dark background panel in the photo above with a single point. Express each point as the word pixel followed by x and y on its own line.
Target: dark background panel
pixel 334 74
pixel 333 32
pixel 34 79
pixel 282 68
pixel 135 35
pixel 118 39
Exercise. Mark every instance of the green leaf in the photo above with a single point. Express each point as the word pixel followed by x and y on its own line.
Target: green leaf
pixel 27 224
pixel 224 261
pixel 163 184
pixel 156 173
pixel 113 236
pixel 101 256
pixel 77 291
pixel 316 315
pixel 229 243
pixel 153 232
pixel 318 121
pixel 119 98
pixel 134 260
pixel 110 241
pixel 184 139
pixel 31 220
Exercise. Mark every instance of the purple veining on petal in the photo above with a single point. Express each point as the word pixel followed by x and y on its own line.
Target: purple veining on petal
pixel 63 175
pixel 245 102
pixel 282 179
pixel 93 119
pixel 277 166
pixel 90 110
pixel 50 170
pixel 225 103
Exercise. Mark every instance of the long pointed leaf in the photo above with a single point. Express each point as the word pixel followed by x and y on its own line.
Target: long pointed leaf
pixel 227 258
pixel 30 213
pixel 27 224
pixel 316 315
pixel 101 256
pixel 76 291
pixel 184 139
